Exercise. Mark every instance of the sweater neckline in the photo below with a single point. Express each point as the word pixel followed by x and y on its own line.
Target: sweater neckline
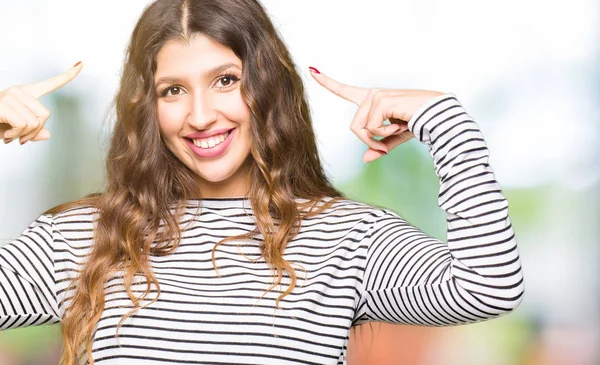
pixel 225 202
pixel 229 202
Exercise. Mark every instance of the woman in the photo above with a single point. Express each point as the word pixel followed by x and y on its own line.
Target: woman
pixel 213 158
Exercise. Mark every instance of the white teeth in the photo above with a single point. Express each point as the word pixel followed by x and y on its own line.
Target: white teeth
pixel 211 141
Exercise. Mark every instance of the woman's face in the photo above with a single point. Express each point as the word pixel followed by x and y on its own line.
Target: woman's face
pixel 203 118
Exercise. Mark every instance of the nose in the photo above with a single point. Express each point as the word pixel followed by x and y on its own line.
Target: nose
pixel 203 111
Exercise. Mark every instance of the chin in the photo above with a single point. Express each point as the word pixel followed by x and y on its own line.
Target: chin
pixel 215 176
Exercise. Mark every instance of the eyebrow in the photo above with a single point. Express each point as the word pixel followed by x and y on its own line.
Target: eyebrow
pixel 209 74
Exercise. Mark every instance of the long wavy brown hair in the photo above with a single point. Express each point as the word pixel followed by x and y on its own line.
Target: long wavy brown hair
pixel 145 180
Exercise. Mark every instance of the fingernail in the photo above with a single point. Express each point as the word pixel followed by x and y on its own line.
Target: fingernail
pixel 312 69
pixel 382 151
pixel 7 141
pixel 77 64
pixel 22 142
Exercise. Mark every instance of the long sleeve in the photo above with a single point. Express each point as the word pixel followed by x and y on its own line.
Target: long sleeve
pixel 413 278
pixel 27 284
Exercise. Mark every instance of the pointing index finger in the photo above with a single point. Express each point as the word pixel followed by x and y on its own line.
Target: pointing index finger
pixel 44 87
pixel 351 93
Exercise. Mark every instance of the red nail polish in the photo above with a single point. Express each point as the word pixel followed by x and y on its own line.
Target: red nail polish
pixel 382 151
pixel 312 69
pixel 77 64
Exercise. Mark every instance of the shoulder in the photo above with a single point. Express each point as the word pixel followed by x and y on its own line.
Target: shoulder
pixel 350 209
pixel 74 223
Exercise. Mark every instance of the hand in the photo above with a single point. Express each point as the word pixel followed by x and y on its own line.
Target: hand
pixel 376 106
pixel 22 115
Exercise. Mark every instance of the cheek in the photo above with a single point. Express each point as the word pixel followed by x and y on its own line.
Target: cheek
pixel 240 111
pixel 170 118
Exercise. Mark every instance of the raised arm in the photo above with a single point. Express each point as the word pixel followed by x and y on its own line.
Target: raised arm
pixel 27 282
pixel 413 278
pixel 410 277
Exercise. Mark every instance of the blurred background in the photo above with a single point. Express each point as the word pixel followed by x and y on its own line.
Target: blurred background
pixel 528 72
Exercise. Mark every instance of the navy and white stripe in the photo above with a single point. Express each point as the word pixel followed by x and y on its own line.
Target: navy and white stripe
pixel 412 278
pixel 363 263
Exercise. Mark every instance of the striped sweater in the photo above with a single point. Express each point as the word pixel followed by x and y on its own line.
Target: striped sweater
pixel 355 263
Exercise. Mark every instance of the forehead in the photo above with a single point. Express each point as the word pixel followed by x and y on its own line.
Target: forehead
pixel 199 55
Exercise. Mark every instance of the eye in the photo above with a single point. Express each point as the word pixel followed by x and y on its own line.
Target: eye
pixel 227 80
pixel 175 90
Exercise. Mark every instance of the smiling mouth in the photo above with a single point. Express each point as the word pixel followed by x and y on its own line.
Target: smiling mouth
pixel 206 143
pixel 210 142
pixel 213 146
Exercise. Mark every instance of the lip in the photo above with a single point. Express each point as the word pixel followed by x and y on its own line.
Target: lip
pixel 199 135
pixel 217 150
